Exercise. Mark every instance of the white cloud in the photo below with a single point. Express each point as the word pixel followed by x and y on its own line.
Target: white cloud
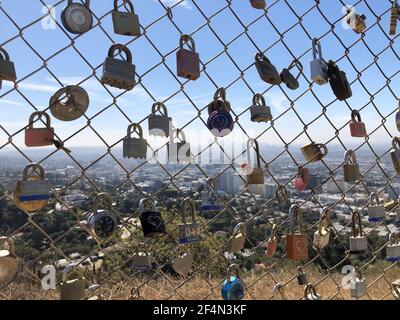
pixel 170 3
pixel 278 102
pixel 11 102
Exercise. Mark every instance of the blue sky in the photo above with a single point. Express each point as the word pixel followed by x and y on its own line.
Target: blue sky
pixel 69 67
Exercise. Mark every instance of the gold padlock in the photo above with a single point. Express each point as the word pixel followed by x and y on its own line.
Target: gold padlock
pixel 74 289
pixel 313 152
pixel 238 238
pixel 321 236
pixel 254 175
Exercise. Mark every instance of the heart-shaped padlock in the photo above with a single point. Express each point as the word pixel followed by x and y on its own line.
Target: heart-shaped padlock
pixel 182 264
pixel 302 179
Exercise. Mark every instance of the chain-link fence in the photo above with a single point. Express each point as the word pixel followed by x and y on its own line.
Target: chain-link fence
pixel 125 263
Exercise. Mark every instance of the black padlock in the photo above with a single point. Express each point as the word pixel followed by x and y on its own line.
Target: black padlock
pixel 150 219
pixel 288 78
pixel 338 81
pixel 266 69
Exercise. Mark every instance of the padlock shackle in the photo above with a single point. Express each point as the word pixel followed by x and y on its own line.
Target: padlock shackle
pixel 295 209
pixel 274 230
pixel 300 271
pixel 102 198
pixel 120 47
pixel 396 143
pixel 309 289
pixel 67 271
pixel 4 54
pixel 134 127
pixel 179 132
pixel 258 99
pixel 350 158
pixel 299 65
pixel 146 202
pixel 324 221
pixel 323 147
pixel 358 274
pixel 220 94
pixel 254 142
pixel 34 167
pixel 185 38
pixel 301 172
pixel 374 199
pixel 157 106
pixel 135 293
pixel 396 287
pixel 281 191
pixel 7 244
pixel 239 228
pixel 356 219
pixel 259 56
pixel 316 45
pixel 232 269
pixel 210 183
pixel 128 2
pixel 189 202
pixel 355 114
pixel 279 288
pixel 39 114
pixel 394 239
pixel 87 3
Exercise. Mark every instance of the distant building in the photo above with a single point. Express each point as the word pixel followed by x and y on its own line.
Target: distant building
pixel 229 183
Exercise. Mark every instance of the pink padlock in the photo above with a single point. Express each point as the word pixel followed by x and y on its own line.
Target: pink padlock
pixel 187 61
pixel 302 179
pixel 38 137
pixel 357 127
pixel 258 4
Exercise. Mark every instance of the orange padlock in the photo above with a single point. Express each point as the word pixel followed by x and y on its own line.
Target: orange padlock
pixel 296 242
pixel 38 137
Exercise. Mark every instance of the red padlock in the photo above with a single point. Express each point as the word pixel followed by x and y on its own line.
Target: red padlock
pixel 258 4
pixel 38 137
pixel 357 127
pixel 296 241
pixel 302 179
pixel 187 61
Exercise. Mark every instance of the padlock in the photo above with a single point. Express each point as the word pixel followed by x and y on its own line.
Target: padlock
pixel 395 154
pixel 69 103
pixel 393 248
pixel 397 220
pixel 356 21
pixel 9 262
pixel 396 289
pixel 32 193
pixel 159 124
pixel 238 238
pixel 7 68
pixel 302 179
pixel 266 69
pixel 74 289
pixel 119 73
pixel 135 295
pixel 357 127
pixel 141 261
pixel 125 23
pixel 39 137
pixel 150 219
pixel 258 4
pixel 209 197
pixel 351 170
pixel 358 240
pixel 134 147
pixel 338 81
pixel 394 16
pixel 233 288
pixel 189 232
pixel 319 69
pixel 301 277
pixel 187 61
pixel 259 111
pixel 296 242
pixel 398 118
pixel 278 289
pixel 358 285
pixel 272 242
pixel 313 152
pixel 178 152
pixel 182 264
pixel 321 236
pixel 101 223
pixel 310 293
pixel 220 121
pixel 281 194
pixel 254 175
pixel 77 17
pixel 291 81
pixel 376 209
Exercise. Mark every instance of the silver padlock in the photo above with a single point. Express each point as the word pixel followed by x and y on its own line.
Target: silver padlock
pixel 134 147
pixel 266 69
pixel 178 152
pixel 189 232
pixel 278 289
pixel 159 124
pixel 321 236
pixel 119 73
pixel 69 103
pixel 7 68
pixel 238 238
pixel 319 68
pixel 395 154
pixel 310 293
pixel 74 289
pixel 77 17
pixel 259 111
pixel 358 285
pixel 9 262
pixel 209 197
pixel 301 277
pixel 376 209
pixel 396 289
pixel 291 81
pixel 182 264
pixel 351 169
pixel 393 248
pixel 358 240
pixel 125 23
pixel 142 261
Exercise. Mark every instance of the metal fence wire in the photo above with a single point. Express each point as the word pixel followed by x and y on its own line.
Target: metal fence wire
pixel 115 266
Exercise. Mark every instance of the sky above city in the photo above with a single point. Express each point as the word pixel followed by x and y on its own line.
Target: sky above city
pixel 40 40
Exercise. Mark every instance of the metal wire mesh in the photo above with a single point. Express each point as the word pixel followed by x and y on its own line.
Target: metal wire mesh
pixel 112 258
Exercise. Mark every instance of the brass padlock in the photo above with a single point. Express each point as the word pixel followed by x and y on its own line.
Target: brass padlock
pixel 159 124
pixel 187 61
pixel 189 232
pixel 209 197
pixel 396 289
pixel 7 68
pixel 178 152
pixel 77 17
pixel 125 23
pixel 301 277
pixel 238 238
pixel 134 147
pixel 393 248
pixel 259 111
pixel 351 170
pixel 9 262
pixel 376 208
pixel 310 293
pixel 291 81
pixel 358 240
pixel 182 264
pixel 272 242
pixel 74 289
pixel 318 67
pixel 278 289
pixel 321 236
pixel 69 103
pixel 119 73
pixel 395 154
pixel 254 175
pixel 358 285
pixel 313 152
pixel 266 69
pixel 142 261
pixel 394 16
pixel 296 242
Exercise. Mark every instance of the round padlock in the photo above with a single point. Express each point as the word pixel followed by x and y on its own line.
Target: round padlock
pixel 76 17
pixel 69 103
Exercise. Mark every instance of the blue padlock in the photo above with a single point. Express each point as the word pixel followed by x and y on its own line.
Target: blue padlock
pixel 233 287
pixel 220 121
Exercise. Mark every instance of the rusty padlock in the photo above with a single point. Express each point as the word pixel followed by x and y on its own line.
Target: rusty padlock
pixel 266 69
pixel 351 170
pixel 357 127
pixel 394 16
pixel 296 242
pixel 187 61
pixel 38 137
pixel 125 23
pixel 254 175
pixel 302 179
pixel 258 4
pixel 272 242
